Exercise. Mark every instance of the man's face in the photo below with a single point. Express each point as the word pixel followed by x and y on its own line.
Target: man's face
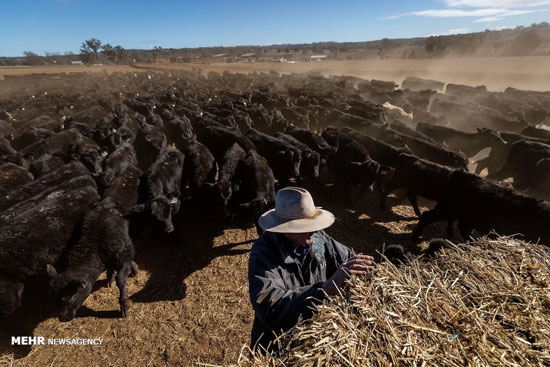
pixel 299 239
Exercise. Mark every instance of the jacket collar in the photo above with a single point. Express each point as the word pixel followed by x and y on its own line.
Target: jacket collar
pixel 282 245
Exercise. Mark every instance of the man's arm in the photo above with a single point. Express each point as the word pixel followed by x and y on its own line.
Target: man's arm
pixel 276 305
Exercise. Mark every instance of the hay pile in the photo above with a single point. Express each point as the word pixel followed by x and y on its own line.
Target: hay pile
pixel 479 304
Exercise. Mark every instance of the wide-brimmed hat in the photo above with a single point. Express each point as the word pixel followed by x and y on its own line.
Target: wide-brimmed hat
pixel 295 212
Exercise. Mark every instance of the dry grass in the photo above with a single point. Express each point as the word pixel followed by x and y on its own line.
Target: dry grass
pixel 481 304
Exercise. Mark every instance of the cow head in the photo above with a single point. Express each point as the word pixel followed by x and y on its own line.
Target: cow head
pixel 309 167
pixel 162 209
pixel 71 291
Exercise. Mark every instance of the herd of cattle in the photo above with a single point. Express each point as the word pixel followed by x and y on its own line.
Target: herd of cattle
pixel 87 161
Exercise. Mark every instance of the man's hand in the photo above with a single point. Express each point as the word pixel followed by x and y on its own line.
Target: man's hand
pixel 357 265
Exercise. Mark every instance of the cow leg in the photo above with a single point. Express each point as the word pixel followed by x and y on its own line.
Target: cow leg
pixel 382 205
pixel 133 270
pixel 110 277
pixel 431 216
pixel 121 279
pixel 414 202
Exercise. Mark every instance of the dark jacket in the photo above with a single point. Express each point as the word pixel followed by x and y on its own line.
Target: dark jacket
pixel 283 287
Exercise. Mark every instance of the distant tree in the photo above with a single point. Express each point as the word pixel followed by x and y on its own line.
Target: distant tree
pixel 526 42
pixel 436 45
pixel 384 47
pixel 90 48
pixel 32 59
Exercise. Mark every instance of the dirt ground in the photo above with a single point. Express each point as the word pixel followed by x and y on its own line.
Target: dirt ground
pixel 497 73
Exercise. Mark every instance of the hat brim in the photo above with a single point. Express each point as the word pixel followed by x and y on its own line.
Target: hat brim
pixel 269 221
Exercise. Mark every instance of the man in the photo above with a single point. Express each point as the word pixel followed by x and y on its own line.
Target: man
pixel 294 265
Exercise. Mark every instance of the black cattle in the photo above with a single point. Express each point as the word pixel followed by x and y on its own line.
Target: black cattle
pixel 419 177
pixel 124 189
pixel 470 143
pixel 405 129
pixel 45 164
pixel 497 157
pixel 421 148
pixel 199 167
pixel 465 91
pixel 338 119
pixel 155 120
pixel 39 237
pixel 89 153
pixel 535 132
pixel 60 144
pixel 12 177
pixel 29 137
pixel 220 138
pixel 463 118
pixel 45 183
pixel 486 205
pixel 419 84
pixel 283 158
pixel 256 186
pixel 150 141
pixel 311 160
pixel 104 245
pixel 380 151
pixel 123 157
pixel 163 187
pixel 43 121
pixel 314 141
pixel 521 164
pixel 353 163
pixel 178 131
pixel 54 191
pixel 6 130
pixel 5 147
pixel 355 167
pixel 223 188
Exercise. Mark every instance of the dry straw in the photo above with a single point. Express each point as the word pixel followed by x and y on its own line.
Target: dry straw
pixel 485 303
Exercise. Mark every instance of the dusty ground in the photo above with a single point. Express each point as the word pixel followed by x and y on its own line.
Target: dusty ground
pixel 190 300
pixel 529 72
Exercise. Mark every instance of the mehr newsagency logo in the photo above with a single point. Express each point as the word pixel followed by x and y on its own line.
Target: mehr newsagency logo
pixel 40 340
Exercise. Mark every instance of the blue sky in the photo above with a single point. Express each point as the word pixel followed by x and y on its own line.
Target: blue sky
pixel 61 25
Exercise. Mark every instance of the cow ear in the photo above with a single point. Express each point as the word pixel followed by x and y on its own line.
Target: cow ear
pixel 479 130
pixel 355 164
pixel 50 270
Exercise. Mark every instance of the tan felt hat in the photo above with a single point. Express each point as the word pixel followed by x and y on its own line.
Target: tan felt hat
pixel 295 213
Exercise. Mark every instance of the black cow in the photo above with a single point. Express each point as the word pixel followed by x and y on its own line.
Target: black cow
pixel 163 187
pixel 12 177
pixel 470 143
pixel 283 158
pixel 150 141
pixel 47 182
pixel 420 177
pixel 38 237
pixel 311 160
pixel 486 205
pixel 123 190
pixel 199 167
pixel 104 245
pixel 123 157
pixel 256 188
pixel 521 164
